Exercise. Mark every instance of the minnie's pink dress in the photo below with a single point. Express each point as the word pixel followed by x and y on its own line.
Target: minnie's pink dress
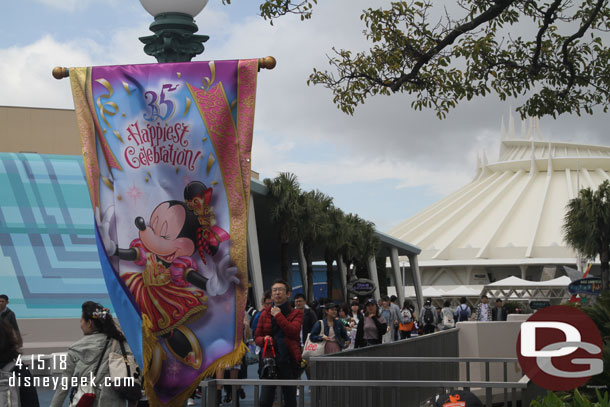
pixel 162 293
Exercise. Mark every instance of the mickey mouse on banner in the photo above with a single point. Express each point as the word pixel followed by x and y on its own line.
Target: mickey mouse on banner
pixel 170 290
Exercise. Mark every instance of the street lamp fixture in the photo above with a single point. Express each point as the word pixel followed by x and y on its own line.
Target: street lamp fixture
pixel 174 28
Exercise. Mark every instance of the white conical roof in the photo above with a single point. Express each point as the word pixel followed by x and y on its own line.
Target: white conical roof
pixel 512 213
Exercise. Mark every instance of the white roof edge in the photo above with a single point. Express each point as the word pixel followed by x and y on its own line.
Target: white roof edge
pixel 517 141
pixel 496 262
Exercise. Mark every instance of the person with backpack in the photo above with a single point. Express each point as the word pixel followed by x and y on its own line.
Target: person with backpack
pixel 447 317
pixel 392 317
pixel 90 355
pixel 406 326
pixel 462 312
pixel 18 395
pixel 428 317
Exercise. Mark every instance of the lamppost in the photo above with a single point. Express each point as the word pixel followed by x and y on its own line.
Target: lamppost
pixel 174 28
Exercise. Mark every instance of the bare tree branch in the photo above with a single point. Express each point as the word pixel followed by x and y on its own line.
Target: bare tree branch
pixel 549 18
pixel 488 15
pixel 578 34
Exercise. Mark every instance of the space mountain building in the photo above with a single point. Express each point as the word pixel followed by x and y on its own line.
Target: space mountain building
pixel 508 220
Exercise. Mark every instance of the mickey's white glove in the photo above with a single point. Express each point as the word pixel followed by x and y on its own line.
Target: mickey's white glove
pixel 224 275
pixel 103 227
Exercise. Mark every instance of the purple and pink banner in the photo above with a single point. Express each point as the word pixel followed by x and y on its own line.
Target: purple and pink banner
pixel 167 150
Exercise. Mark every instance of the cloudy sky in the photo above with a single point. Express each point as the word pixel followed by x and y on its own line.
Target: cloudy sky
pixel 386 163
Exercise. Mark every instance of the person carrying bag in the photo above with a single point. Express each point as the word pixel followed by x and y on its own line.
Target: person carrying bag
pixel 84 396
pixel 125 373
pixel 311 348
pixel 84 360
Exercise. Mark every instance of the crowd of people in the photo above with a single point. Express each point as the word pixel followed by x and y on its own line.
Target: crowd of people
pixel 289 323
pixel 283 324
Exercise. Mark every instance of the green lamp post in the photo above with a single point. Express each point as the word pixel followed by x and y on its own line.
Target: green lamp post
pixel 174 28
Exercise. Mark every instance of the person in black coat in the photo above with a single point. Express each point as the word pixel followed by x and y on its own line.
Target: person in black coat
pixel 8 356
pixel 7 315
pixel 499 313
pixel 372 327
pixel 354 311
pixel 309 317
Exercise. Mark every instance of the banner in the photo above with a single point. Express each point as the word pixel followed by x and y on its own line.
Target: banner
pixel 166 149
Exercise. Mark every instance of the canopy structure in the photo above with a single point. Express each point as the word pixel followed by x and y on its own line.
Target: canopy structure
pixel 508 220
pixel 440 293
pixel 514 288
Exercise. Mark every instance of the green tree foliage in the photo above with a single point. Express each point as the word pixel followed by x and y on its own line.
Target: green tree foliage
pixel 552 399
pixel 284 191
pixel 311 218
pixel 361 243
pixel 312 225
pixel 333 239
pixel 600 314
pixel 272 9
pixel 587 226
pixel 550 52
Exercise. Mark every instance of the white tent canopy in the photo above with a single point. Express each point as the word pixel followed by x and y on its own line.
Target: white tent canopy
pixel 513 281
pixel 514 288
pixel 439 291
pixel 463 291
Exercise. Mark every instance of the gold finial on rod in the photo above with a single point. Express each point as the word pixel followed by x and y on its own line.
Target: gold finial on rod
pixel 266 63
pixel 60 72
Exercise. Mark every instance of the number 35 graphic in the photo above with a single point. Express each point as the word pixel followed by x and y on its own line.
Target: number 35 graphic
pixel 158 104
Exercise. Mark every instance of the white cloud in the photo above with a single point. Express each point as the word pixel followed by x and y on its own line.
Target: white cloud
pixel 67 5
pixel 269 159
pixel 26 72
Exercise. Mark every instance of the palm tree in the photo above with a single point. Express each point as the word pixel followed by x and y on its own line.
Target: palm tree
pixel 312 227
pixel 587 226
pixel 333 241
pixel 361 242
pixel 284 191
pixel 349 249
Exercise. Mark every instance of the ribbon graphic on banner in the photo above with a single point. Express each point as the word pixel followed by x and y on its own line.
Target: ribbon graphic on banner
pixel 166 149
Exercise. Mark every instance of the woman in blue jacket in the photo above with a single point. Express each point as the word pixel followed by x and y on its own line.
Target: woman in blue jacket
pixel 334 334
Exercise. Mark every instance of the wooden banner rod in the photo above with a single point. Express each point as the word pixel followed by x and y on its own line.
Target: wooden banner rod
pixel 263 63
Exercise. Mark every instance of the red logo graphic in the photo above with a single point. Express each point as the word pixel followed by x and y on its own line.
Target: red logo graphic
pixel 559 348
pixel 312 346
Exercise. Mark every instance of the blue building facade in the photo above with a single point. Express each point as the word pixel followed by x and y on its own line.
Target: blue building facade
pixel 48 256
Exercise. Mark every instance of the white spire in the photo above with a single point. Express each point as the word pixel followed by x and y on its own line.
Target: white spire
pixel 533 164
pixel 523 130
pixel 502 130
pixel 478 171
pixel 484 160
pixel 530 130
pixel 538 128
pixel 550 166
pixel 511 124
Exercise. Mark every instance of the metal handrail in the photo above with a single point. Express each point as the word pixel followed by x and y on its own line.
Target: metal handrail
pixel 418 359
pixel 364 383
pixel 301 384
